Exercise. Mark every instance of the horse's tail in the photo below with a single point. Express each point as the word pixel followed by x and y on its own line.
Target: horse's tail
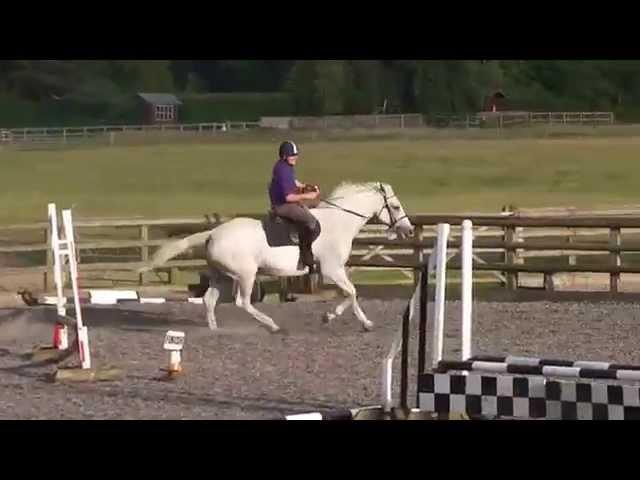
pixel 172 249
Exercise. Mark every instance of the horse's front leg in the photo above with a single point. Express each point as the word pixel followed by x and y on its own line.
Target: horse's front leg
pixel 340 278
pixel 339 310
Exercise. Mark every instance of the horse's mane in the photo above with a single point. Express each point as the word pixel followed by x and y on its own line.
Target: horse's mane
pixel 346 189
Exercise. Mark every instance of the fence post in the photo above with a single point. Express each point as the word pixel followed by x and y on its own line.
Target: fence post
pixel 573 233
pixel 144 250
pixel 548 282
pixel 402 121
pixel 571 239
pixel 173 275
pixel 614 241
pixel 510 257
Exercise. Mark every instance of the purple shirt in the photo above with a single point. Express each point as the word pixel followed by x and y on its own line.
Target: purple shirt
pixel 283 182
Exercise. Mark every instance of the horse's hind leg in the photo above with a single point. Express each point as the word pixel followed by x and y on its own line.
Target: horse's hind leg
pixel 211 299
pixel 236 294
pixel 245 287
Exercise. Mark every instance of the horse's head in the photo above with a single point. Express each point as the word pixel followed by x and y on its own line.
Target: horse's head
pixel 369 200
pixel 392 213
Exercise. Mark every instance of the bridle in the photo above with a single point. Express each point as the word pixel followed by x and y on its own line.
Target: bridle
pixel 386 205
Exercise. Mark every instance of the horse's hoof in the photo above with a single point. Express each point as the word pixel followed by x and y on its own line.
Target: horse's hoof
pixel 280 331
pixel 213 327
pixel 367 327
pixel 328 317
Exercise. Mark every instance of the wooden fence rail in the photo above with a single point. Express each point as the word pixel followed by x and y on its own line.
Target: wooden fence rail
pixel 495 234
pixel 108 134
pixel 34 136
pixel 514 119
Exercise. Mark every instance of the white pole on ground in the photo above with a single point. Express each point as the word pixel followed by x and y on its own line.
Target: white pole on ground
pixel 467 286
pixel 387 382
pixel 441 281
pixel 83 334
pixel 57 267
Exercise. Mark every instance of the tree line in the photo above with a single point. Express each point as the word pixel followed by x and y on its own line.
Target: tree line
pixel 318 87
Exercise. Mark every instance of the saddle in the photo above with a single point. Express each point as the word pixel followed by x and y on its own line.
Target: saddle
pixel 280 232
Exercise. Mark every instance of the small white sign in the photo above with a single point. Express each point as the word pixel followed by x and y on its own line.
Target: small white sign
pixel 174 340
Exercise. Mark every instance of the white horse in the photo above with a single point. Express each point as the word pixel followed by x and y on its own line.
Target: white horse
pixel 239 248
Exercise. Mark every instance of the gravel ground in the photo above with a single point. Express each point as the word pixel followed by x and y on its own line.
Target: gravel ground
pixel 243 372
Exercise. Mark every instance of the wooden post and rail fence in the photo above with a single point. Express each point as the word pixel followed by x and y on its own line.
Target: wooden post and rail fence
pixel 499 236
pixel 33 137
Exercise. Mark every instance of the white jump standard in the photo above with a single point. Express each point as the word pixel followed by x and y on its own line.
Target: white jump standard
pixel 65 249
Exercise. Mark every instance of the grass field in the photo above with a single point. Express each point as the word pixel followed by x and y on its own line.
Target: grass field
pixel 435 174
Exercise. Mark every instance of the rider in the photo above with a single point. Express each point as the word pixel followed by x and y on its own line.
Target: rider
pixel 286 201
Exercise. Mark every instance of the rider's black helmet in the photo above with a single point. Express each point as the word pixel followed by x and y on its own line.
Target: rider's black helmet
pixel 288 149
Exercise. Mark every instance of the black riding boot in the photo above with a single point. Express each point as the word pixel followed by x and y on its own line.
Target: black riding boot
pixel 306 254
